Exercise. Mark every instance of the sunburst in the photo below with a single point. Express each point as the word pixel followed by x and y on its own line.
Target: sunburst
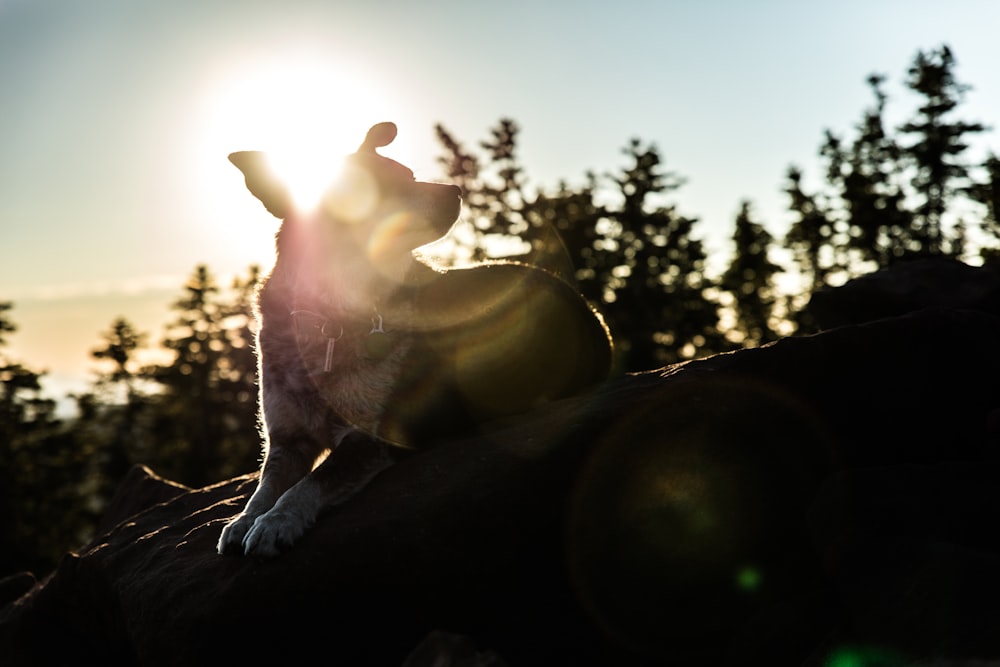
pixel 306 112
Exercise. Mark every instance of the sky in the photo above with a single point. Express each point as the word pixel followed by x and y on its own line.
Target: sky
pixel 116 117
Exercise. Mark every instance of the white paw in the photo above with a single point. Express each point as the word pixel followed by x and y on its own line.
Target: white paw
pixel 274 532
pixel 233 534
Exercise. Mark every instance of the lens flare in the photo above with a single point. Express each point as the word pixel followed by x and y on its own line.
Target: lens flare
pixel 352 197
pixel 391 244
pixel 687 514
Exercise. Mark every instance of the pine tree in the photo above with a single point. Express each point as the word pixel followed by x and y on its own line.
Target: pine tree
pixel 652 270
pixel 43 511
pixel 564 238
pixel 204 423
pixel 463 169
pixel 809 237
pixel 637 261
pixel 504 194
pixel 987 194
pixel 749 280
pixel 875 223
pixel 114 412
pixel 936 148
pixel 887 199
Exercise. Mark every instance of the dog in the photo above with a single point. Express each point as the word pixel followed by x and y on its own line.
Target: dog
pixel 369 351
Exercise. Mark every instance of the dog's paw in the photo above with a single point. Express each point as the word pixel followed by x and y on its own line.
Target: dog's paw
pixel 233 534
pixel 274 532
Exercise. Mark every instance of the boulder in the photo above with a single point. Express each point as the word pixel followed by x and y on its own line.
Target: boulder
pixel 907 286
pixel 804 502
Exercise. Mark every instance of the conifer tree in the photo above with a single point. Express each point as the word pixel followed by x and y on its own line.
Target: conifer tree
pixel 637 260
pixel 114 412
pixel 874 223
pixel 937 146
pixel 888 198
pixel 809 236
pixel 749 280
pixel 42 507
pixel 652 269
pixel 987 194
pixel 204 424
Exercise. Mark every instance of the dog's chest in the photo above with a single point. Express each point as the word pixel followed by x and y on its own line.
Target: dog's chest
pixel 350 360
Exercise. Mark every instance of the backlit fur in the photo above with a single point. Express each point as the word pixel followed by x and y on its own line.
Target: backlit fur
pixel 417 353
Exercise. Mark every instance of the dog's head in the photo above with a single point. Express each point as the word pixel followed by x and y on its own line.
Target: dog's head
pixel 375 210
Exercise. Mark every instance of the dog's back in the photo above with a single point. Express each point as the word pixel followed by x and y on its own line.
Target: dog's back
pixel 493 340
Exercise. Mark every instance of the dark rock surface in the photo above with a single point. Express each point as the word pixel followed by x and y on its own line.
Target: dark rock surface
pixel 800 503
pixel 908 286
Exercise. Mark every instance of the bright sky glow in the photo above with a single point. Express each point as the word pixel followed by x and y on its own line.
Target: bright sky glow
pixel 303 109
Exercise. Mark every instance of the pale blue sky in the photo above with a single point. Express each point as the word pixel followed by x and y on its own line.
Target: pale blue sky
pixel 117 116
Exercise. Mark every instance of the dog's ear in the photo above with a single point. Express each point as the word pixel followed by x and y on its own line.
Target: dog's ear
pixel 384 169
pixel 380 135
pixel 262 182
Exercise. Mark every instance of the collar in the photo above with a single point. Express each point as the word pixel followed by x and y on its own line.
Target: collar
pixel 376 342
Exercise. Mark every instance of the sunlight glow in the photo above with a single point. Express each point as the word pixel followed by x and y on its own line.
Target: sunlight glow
pixel 302 108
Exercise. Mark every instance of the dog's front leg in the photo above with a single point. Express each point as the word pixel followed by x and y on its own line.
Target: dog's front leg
pixel 356 460
pixel 288 460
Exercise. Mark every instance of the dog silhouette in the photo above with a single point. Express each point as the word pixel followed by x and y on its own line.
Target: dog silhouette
pixel 368 351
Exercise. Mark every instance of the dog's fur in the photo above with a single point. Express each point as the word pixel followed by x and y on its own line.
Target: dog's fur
pixel 366 352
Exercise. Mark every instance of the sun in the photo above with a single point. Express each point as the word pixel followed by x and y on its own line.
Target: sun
pixel 305 110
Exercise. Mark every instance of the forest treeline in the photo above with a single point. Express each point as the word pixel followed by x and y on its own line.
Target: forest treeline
pixel 885 194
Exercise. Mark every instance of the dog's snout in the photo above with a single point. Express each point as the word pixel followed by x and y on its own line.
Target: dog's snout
pixel 434 189
pixel 446 190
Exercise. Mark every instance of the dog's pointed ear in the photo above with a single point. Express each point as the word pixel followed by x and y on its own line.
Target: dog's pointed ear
pixel 262 182
pixel 380 135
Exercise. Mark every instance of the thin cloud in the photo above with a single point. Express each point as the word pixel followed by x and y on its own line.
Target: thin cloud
pixel 136 286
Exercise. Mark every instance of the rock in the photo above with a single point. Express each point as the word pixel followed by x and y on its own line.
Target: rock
pixel 775 505
pixel 140 490
pixel 442 649
pixel 15 585
pixel 936 282
pixel 912 556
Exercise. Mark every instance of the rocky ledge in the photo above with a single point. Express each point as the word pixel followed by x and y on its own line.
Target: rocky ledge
pixel 824 497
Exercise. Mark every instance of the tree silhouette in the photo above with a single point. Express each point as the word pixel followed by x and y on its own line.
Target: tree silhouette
pixel 204 425
pixel 809 236
pixel 937 145
pixel 22 409
pixel 887 199
pixel 652 270
pixel 113 412
pixel 749 280
pixel 43 508
pixel 636 259
pixel 566 238
pixel 866 174
pixel 987 194
pixel 501 217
